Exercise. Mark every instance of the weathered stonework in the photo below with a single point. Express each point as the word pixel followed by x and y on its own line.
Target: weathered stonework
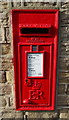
pixel 7 99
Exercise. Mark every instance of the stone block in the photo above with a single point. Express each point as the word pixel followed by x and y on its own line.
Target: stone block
pixel 9 114
pixel 5 89
pixel 63 52
pixel 17 4
pixel 63 16
pixel 62 48
pixel 50 115
pixel 11 101
pixel 63 100
pixel 61 89
pixel 63 80
pixel 2 77
pixel 6 66
pixel 67 48
pixel 2 101
pixel 42 115
pixel 2 35
pixel 12 114
pixel 9 76
pixel 64 30
pixel 67 75
pixel 0 114
pixel 61 75
pixel 19 114
pixel 6 49
pixel 65 110
pixel 63 64
pixel 7 34
pixel 64 115
pixel 4 18
pixel 7 58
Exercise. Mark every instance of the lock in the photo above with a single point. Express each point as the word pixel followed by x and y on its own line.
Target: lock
pixel 35 47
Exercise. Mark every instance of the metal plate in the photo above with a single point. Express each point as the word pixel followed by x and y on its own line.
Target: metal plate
pixel 35 64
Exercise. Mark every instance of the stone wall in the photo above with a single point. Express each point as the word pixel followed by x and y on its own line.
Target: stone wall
pixel 7 99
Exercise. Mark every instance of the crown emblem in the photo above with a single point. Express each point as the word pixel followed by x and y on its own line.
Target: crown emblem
pixel 36 85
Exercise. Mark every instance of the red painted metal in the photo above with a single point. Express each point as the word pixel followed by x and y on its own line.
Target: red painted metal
pixel 35 28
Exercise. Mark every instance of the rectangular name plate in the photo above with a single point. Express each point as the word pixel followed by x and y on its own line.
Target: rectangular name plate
pixel 35 64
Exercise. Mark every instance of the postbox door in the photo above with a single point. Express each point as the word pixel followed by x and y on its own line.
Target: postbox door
pixel 35 68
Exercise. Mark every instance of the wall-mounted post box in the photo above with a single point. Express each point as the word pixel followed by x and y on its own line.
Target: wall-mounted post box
pixel 35 42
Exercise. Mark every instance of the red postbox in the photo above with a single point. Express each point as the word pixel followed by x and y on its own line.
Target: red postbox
pixel 35 43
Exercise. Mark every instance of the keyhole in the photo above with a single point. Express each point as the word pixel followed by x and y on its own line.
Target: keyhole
pixel 26 81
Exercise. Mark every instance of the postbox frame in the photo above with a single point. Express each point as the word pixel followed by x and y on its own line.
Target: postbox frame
pixel 55 62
